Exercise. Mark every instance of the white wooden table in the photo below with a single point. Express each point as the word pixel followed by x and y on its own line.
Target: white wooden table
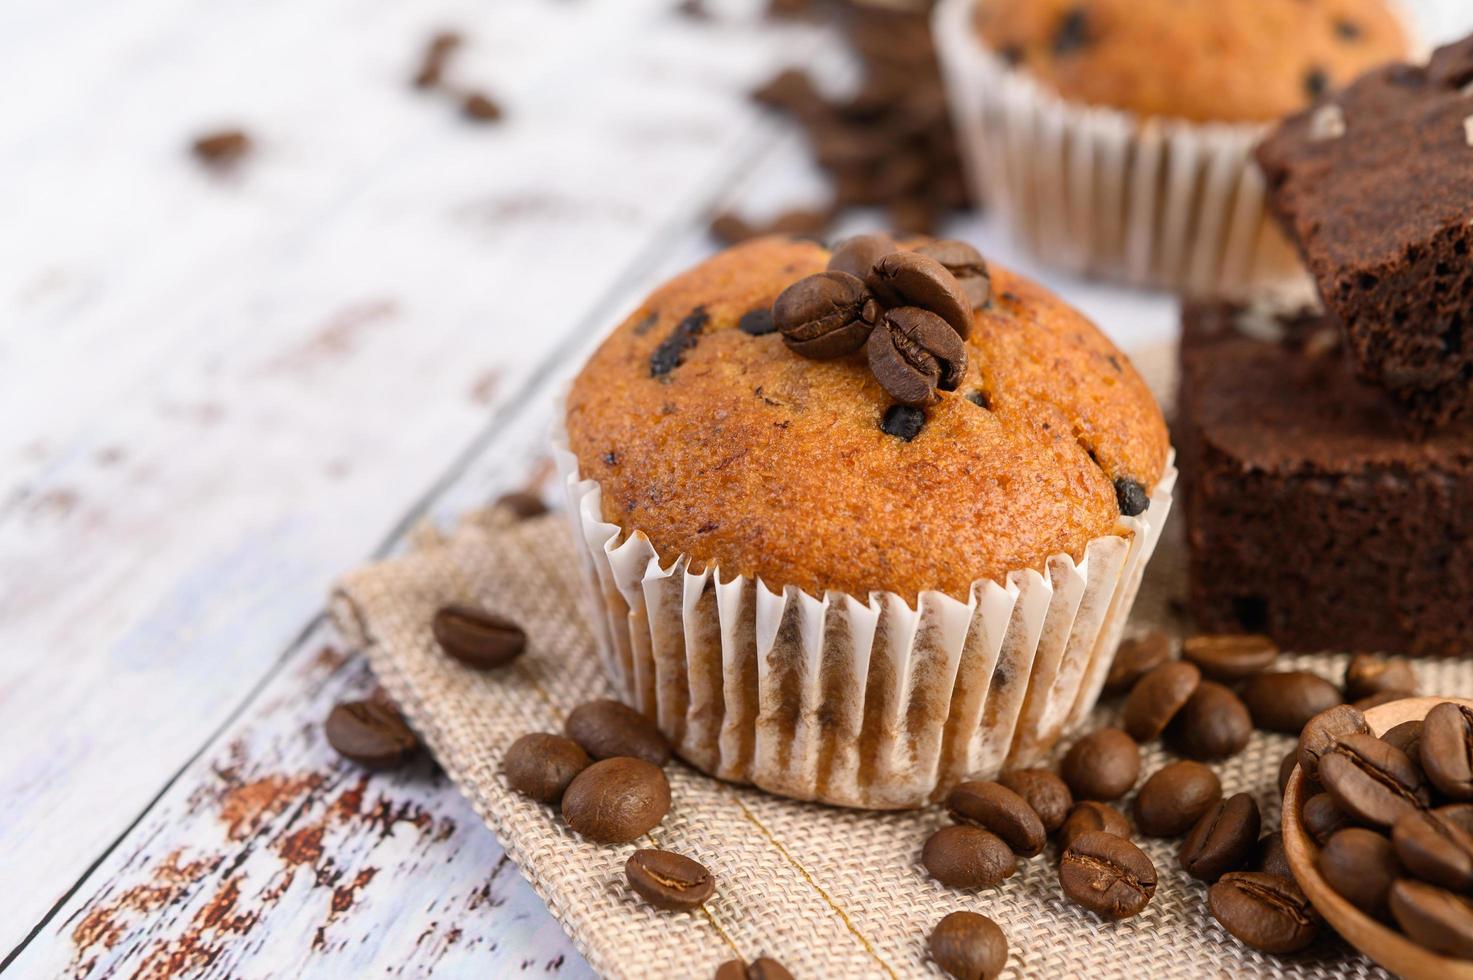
pixel 218 394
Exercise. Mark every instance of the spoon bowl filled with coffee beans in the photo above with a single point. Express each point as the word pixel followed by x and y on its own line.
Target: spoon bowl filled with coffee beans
pixel 1378 831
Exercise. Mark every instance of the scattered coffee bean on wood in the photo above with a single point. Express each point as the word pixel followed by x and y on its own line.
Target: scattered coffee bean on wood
pixel 1373 782
pixel 1044 791
pixel 1263 911
pixel 523 506
pixel 1213 724
pixel 223 150
pixel 1445 748
pixel 1272 858
pixel 1157 697
pixel 969 946
pixel 1175 797
pixel 669 881
pixel 1088 816
pixel 1102 765
pixel 370 733
pixel 1322 731
pixel 1108 875
pixel 1366 676
pixel 1284 701
pixel 992 806
pixel 1434 917
pixel 968 857
pixel 607 729
pixel 1224 839
pixel 616 801
pixel 541 765
pixel 1229 657
pixel 1135 658
pixel 481 640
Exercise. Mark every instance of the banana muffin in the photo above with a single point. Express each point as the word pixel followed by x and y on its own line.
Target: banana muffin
pixel 861 524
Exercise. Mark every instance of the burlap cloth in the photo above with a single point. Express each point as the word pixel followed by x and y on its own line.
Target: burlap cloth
pixel 828 892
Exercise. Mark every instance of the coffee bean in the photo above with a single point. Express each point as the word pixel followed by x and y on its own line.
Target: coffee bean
pixel 1286 700
pixel 1380 698
pixel 670 354
pixel 522 506
pixel 1175 797
pixel 1272 858
pixel 1287 767
pixel 994 807
pixel 541 766
pixel 1157 697
pixel 1361 866
pixel 969 946
pixel 1088 816
pixel 903 422
pixel 731 970
pixel 1214 723
pixel 826 315
pixel 1108 875
pixel 1228 657
pixel 669 881
pixel 966 264
pixel 1437 846
pixel 1321 732
pixel 791 90
pixel 1263 911
pixel 1045 792
pixel 478 639
pixel 912 353
pixel 436 58
pixel 858 255
pixel 1131 497
pixel 968 857
pixel 911 279
pixel 1375 783
pixel 1136 658
pixel 223 150
pixel 1322 817
pixel 763 968
pixel 370 733
pixel 1434 917
pixel 1103 765
pixel 1407 736
pixel 758 322
pixel 1223 840
pixel 1446 749
pixel 616 800
pixel 480 107
pixel 607 729
pixel 1366 675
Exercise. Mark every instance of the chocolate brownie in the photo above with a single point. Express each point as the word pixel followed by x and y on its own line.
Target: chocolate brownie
pixel 1375 185
pixel 1310 515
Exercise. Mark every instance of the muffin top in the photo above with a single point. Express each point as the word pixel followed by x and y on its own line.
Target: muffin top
pixel 1202 60
pixel 713 438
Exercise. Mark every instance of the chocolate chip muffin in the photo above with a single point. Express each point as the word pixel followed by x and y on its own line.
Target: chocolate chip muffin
pixel 1203 60
pixel 876 473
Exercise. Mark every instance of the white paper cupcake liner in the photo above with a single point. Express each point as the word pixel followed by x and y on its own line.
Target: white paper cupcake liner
pixel 865 704
pixel 1154 202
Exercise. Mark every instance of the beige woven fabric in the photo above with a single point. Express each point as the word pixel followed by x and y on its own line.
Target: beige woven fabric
pixel 828 892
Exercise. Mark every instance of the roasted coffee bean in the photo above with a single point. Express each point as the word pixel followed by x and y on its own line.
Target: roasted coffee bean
pixel 1157 697
pixel 1361 866
pixel 1135 659
pixel 541 765
pixel 1229 657
pixel 1407 736
pixel 1214 723
pixel 1321 732
pixel 616 800
pixel 912 353
pixel 826 315
pixel 911 279
pixel 969 946
pixel 966 264
pixel 370 733
pixel 1108 875
pixel 1223 840
pixel 223 150
pixel 480 107
pixel 1434 917
pixel 435 59
pixel 1446 749
pixel 762 968
pixel 1287 767
pixel 1322 817
pixel 1175 797
pixel 1380 698
pixel 1131 497
pixel 758 322
pixel 607 729
pixel 1103 765
pixel 1264 911
pixel 994 807
pixel 522 506
pixel 858 255
pixel 1088 816
pixel 1373 782
pixel 1045 792
pixel 968 857
pixel 732 229
pixel 669 881
pixel 1272 858
pixel 1437 845
pixel 1366 675
pixel 1284 701
pixel 478 639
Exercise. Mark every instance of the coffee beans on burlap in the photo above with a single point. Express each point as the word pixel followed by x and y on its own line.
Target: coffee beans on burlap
pixel 1446 750
pixel 1213 724
pixel 1102 765
pixel 994 807
pixel 1321 732
pixel 762 968
pixel 1107 874
pixel 370 733
pixel 616 800
pixel 669 881
pixel 1157 697
pixel 1091 815
pixel 1230 657
pixel 968 857
pixel 481 640
pixel 1044 791
pixel 969 946
pixel 1264 911
pixel 607 729
pixel 1373 782
pixel 1224 839
pixel 1272 859
pixel 1175 797
pixel 1135 658
pixel 1284 701
pixel 1367 676
pixel 541 766
pixel 1434 917
pixel 1361 865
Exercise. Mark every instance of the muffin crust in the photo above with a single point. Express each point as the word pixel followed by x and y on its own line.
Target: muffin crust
pixel 744 454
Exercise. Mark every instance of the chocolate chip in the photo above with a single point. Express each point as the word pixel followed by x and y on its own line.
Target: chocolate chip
pixel 607 729
pixel 758 322
pixel 1347 30
pixel 1073 32
pixel 478 639
pixel 903 421
pixel 223 150
pixel 671 352
pixel 1131 497
pixel 480 107
pixel 1316 82
pixel 370 733
pixel 912 353
pixel 858 255
pixel 647 324
pixel 966 264
pixel 980 399
pixel 826 315
pixel 669 881
pixel 912 279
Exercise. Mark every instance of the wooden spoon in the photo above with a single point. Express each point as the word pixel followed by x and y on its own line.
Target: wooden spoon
pixel 1381 943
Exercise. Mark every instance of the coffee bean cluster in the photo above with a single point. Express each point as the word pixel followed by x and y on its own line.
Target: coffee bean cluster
pixel 1394 815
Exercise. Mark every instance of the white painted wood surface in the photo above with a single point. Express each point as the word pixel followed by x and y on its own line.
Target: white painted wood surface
pixel 217 394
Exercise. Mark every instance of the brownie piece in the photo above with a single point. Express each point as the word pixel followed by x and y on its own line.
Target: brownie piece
pixel 1375 186
pixel 1310 515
